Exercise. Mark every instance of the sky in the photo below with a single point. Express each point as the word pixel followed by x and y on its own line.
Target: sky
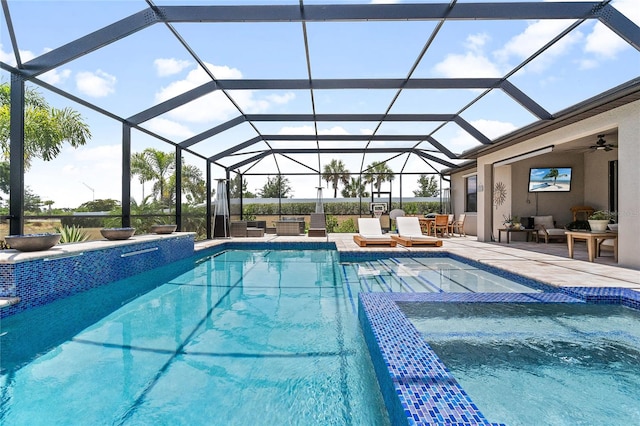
pixel 152 66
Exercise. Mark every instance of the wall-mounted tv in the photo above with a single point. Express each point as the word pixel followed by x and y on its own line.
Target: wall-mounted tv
pixel 550 179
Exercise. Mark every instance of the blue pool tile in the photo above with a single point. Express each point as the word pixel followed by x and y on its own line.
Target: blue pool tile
pixel 41 281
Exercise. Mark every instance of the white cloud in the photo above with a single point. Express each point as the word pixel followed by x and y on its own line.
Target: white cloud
pixel 473 63
pixel 7 57
pixel 462 140
pixel 96 84
pixel 169 66
pixel 470 64
pixel 169 128
pixel 603 42
pixel 10 58
pixel 493 128
pixel 366 131
pixel 476 42
pixel 534 37
pixel 215 106
pixel 281 99
pixel 54 77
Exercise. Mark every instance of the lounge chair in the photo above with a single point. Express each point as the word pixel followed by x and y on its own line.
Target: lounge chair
pixel 410 234
pixel 370 234
pixel 318 225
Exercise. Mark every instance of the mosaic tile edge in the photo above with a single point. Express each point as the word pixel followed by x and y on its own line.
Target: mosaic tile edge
pixel 41 281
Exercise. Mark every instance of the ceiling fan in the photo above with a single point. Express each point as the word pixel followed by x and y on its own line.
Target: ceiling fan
pixel 602 145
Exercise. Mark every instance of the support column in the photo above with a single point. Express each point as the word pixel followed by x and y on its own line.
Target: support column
pixel 209 209
pixel 16 157
pixel 179 187
pixel 126 175
pixel 485 202
pixel 240 192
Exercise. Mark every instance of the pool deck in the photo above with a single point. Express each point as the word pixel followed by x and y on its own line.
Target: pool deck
pixel 548 263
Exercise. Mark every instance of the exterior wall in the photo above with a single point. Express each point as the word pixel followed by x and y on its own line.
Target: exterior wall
pixel 458 200
pixel 597 177
pixel 629 186
pixel 589 184
pixel 502 180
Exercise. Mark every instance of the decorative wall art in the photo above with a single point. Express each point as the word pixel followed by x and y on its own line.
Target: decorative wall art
pixel 499 194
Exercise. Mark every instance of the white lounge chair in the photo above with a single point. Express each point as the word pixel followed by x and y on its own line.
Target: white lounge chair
pixel 410 234
pixel 370 233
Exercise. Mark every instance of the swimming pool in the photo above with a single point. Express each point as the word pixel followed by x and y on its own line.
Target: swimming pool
pixel 539 363
pixel 238 337
pixel 431 275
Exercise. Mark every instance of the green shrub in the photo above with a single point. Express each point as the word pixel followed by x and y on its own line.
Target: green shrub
pixel 72 234
pixel 347 227
pixel 331 223
pixel 83 222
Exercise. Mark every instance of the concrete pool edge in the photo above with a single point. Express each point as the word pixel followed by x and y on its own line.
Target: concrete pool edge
pixel 416 385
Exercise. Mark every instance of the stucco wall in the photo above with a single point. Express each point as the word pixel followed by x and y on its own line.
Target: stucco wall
pixel 590 178
pixel 458 200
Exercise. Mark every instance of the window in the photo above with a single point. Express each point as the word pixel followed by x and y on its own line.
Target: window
pixel 471 194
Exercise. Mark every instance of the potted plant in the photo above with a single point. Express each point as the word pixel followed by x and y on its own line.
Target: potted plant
pixel 507 222
pixel 511 222
pixel 599 220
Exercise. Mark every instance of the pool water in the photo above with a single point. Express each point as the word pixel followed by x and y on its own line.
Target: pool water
pixel 426 275
pixel 533 364
pixel 237 338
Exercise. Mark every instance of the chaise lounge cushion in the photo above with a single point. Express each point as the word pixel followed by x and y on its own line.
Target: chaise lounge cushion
pixel 370 233
pixel 546 228
pixel 410 233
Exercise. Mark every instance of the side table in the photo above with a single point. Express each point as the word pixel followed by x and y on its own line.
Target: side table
pixel 532 232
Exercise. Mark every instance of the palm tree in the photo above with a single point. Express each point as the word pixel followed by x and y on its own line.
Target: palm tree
pixel 46 129
pixel 377 173
pixel 335 173
pixel 555 174
pixel 193 185
pixel 158 166
pixel 140 168
pixel 355 188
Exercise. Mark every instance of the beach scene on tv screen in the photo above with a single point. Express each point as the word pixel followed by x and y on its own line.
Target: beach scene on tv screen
pixel 544 179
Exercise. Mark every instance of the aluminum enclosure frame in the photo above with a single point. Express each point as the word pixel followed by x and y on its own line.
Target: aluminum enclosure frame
pixel 29 71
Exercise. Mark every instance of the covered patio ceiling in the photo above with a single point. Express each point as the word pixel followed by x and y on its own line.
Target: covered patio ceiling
pixel 285 87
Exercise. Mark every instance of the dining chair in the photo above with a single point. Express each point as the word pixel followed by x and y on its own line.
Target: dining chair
pixel 440 224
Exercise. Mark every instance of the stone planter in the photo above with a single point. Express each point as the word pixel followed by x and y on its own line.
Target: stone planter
pixel 32 242
pixel 163 229
pixel 598 225
pixel 117 233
